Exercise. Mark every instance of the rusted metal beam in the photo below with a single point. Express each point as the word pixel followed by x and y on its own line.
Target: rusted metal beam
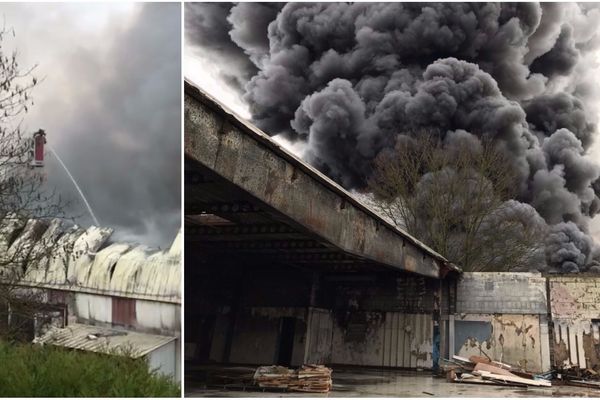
pixel 241 232
pixel 244 156
pixel 269 246
pixel 239 207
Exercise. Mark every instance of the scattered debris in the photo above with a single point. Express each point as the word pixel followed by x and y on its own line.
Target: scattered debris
pixel 482 370
pixel 512 379
pixel 587 384
pixel 308 378
pixel 575 376
pixel 493 369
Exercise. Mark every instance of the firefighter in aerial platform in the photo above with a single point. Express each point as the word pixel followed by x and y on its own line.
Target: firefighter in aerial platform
pixel 37 149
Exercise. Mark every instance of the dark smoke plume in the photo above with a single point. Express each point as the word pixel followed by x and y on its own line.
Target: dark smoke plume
pixel 350 79
pixel 110 102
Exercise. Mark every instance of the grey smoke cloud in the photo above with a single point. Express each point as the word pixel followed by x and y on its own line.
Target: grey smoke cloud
pixel 110 104
pixel 567 248
pixel 550 112
pixel 349 80
pixel 561 58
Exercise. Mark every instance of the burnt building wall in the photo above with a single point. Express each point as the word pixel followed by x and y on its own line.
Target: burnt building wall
pixel 575 308
pixel 383 320
pixel 248 314
pixel 369 319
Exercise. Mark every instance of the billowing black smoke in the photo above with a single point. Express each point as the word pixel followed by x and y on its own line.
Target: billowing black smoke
pixel 349 79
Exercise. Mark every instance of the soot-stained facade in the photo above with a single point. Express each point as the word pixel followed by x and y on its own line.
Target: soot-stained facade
pixel 283 266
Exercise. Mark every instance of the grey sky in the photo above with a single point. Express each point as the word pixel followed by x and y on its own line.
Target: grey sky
pixel 110 103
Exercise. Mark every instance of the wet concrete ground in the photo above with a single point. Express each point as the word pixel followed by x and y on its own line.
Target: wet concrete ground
pixel 369 383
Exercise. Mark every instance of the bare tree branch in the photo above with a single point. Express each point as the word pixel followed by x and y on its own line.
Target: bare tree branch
pixel 458 200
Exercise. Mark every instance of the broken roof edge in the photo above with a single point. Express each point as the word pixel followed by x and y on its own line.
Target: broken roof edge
pixel 257 134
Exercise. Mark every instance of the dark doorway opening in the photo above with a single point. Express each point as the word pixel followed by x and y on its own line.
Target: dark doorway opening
pixel 286 341
pixel 204 330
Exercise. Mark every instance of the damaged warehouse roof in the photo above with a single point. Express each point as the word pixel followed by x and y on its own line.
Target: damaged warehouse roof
pixel 243 188
pixel 84 260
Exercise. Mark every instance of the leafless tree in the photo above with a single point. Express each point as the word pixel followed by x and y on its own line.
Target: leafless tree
pixel 456 197
pixel 26 204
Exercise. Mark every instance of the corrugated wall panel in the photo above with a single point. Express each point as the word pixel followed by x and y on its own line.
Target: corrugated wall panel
pixel 407 340
pixel 319 335
pixel 390 339
pixel 123 311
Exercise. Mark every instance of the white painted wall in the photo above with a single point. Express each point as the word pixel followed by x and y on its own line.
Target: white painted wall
pixel 166 360
pixel 93 307
pixel 155 315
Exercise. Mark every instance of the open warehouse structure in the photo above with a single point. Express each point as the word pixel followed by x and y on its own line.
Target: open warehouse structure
pixel 283 266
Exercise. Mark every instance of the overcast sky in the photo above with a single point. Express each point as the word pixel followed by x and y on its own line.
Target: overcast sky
pixel 109 101
pixel 204 71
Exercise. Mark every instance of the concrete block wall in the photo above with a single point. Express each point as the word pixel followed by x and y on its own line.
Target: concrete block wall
pixel 501 292
pixel 502 315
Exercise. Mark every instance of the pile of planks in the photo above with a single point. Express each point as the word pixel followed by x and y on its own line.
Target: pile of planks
pixel 482 370
pixel 309 378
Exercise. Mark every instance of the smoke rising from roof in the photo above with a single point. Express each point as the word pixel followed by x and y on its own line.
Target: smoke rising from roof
pixel 109 100
pixel 349 80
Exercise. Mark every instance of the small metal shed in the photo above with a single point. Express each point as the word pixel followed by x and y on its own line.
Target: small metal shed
pixel 161 351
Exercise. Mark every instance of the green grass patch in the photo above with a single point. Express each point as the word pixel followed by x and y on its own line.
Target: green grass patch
pixel 45 371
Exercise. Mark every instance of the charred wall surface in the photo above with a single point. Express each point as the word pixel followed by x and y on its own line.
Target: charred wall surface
pixel 246 314
pixel 384 320
pixel 240 313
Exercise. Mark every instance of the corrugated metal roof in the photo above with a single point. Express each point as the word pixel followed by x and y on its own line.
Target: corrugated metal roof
pixel 104 340
pixel 80 263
